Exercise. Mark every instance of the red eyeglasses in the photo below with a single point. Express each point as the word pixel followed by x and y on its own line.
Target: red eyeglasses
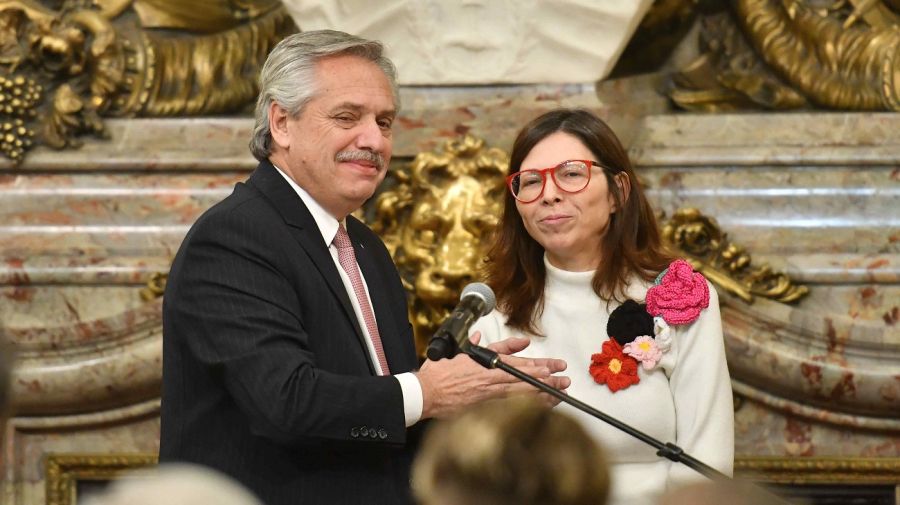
pixel 570 176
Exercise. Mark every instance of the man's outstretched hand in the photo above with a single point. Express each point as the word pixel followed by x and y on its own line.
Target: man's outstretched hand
pixel 451 384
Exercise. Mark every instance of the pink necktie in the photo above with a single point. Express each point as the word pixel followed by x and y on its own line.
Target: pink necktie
pixel 347 259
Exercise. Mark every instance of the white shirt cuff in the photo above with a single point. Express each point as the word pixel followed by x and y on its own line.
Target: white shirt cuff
pixel 412 397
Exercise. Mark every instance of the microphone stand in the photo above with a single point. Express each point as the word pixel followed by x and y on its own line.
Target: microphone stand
pixel 490 359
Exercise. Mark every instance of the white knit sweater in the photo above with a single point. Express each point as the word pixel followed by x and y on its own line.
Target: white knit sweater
pixel 686 399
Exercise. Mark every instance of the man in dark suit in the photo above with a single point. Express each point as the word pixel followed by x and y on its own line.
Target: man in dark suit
pixel 288 358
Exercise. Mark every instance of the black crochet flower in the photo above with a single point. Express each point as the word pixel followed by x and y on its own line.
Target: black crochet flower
pixel 629 321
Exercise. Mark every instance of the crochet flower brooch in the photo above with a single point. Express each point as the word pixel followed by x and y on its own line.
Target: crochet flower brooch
pixel 640 332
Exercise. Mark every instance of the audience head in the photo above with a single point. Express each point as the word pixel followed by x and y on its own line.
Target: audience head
pixel 514 451
pixel 177 484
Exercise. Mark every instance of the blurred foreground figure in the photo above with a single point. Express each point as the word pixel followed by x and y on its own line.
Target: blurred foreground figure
pixel 514 451
pixel 175 485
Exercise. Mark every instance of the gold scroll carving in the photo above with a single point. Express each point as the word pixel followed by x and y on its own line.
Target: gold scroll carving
pixel 62 70
pixel 706 246
pixel 787 54
pixel 435 222
pixel 155 286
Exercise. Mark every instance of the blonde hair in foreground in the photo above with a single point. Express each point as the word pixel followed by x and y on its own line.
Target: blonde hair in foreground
pixel 513 451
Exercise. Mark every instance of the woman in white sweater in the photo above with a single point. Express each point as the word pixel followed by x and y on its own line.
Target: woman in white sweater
pixel 577 267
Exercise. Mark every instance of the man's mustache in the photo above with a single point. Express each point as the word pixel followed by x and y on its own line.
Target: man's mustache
pixel 368 156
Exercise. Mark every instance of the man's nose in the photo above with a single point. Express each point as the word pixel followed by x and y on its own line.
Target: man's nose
pixel 372 136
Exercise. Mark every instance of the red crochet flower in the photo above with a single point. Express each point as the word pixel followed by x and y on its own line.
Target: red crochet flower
pixel 613 367
pixel 680 295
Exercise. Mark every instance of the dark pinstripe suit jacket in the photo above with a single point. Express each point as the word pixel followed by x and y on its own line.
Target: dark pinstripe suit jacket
pixel 266 376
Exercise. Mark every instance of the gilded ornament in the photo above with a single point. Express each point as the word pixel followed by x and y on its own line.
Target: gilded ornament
pixel 155 287
pixel 819 470
pixel 435 223
pixel 788 54
pixel 726 265
pixel 62 71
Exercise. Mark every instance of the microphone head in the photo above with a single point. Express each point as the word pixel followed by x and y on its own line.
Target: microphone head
pixel 483 291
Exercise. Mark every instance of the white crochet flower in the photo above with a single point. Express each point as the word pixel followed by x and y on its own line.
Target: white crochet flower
pixel 663 334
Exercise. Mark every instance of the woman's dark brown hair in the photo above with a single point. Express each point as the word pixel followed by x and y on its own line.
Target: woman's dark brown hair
pixel 515 264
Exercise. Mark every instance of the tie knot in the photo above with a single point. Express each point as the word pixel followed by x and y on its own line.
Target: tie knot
pixel 342 239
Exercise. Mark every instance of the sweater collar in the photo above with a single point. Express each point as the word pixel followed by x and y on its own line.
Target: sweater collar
pixel 577 285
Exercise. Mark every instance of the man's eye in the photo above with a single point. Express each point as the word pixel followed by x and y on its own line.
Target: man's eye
pixel 385 124
pixel 344 119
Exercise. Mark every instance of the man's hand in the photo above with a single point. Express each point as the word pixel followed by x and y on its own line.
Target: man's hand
pixel 451 384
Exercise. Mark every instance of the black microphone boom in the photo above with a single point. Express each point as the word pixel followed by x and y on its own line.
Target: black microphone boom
pixel 476 300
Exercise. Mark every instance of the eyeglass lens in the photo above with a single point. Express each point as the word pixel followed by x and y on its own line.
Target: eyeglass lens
pixel 571 176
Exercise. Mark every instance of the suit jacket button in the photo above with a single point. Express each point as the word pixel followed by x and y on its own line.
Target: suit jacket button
pixel 373 433
pixel 364 432
pixel 354 432
pixel 382 434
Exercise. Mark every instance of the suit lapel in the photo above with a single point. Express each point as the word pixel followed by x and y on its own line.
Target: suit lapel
pixel 305 231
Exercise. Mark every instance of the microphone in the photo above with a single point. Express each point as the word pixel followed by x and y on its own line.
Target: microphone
pixel 476 300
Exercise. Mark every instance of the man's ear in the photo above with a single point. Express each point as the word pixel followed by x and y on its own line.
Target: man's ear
pixel 624 184
pixel 278 125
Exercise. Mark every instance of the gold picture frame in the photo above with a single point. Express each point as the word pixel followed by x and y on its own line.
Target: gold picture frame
pixel 63 471
pixel 819 470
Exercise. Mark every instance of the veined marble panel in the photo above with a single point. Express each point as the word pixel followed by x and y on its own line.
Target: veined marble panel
pixel 812 194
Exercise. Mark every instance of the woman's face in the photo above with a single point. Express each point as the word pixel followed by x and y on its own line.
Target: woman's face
pixel 569 226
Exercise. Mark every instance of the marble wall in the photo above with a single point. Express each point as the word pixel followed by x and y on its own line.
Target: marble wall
pixel 814 194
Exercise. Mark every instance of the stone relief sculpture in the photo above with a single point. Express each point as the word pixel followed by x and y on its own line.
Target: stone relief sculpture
pixel 788 54
pixel 439 42
pixel 65 65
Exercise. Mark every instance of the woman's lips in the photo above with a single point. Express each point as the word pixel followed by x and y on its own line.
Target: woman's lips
pixel 555 218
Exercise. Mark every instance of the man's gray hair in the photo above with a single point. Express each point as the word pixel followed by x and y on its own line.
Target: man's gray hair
pixel 288 76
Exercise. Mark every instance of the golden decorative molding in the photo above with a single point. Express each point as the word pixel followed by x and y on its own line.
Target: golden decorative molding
pixel 821 470
pixel 434 222
pixel 706 246
pixel 729 75
pixel 155 287
pixel 63 471
pixel 786 54
pixel 62 71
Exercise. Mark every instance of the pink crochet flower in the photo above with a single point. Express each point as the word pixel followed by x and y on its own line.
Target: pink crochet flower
pixel 645 350
pixel 680 295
